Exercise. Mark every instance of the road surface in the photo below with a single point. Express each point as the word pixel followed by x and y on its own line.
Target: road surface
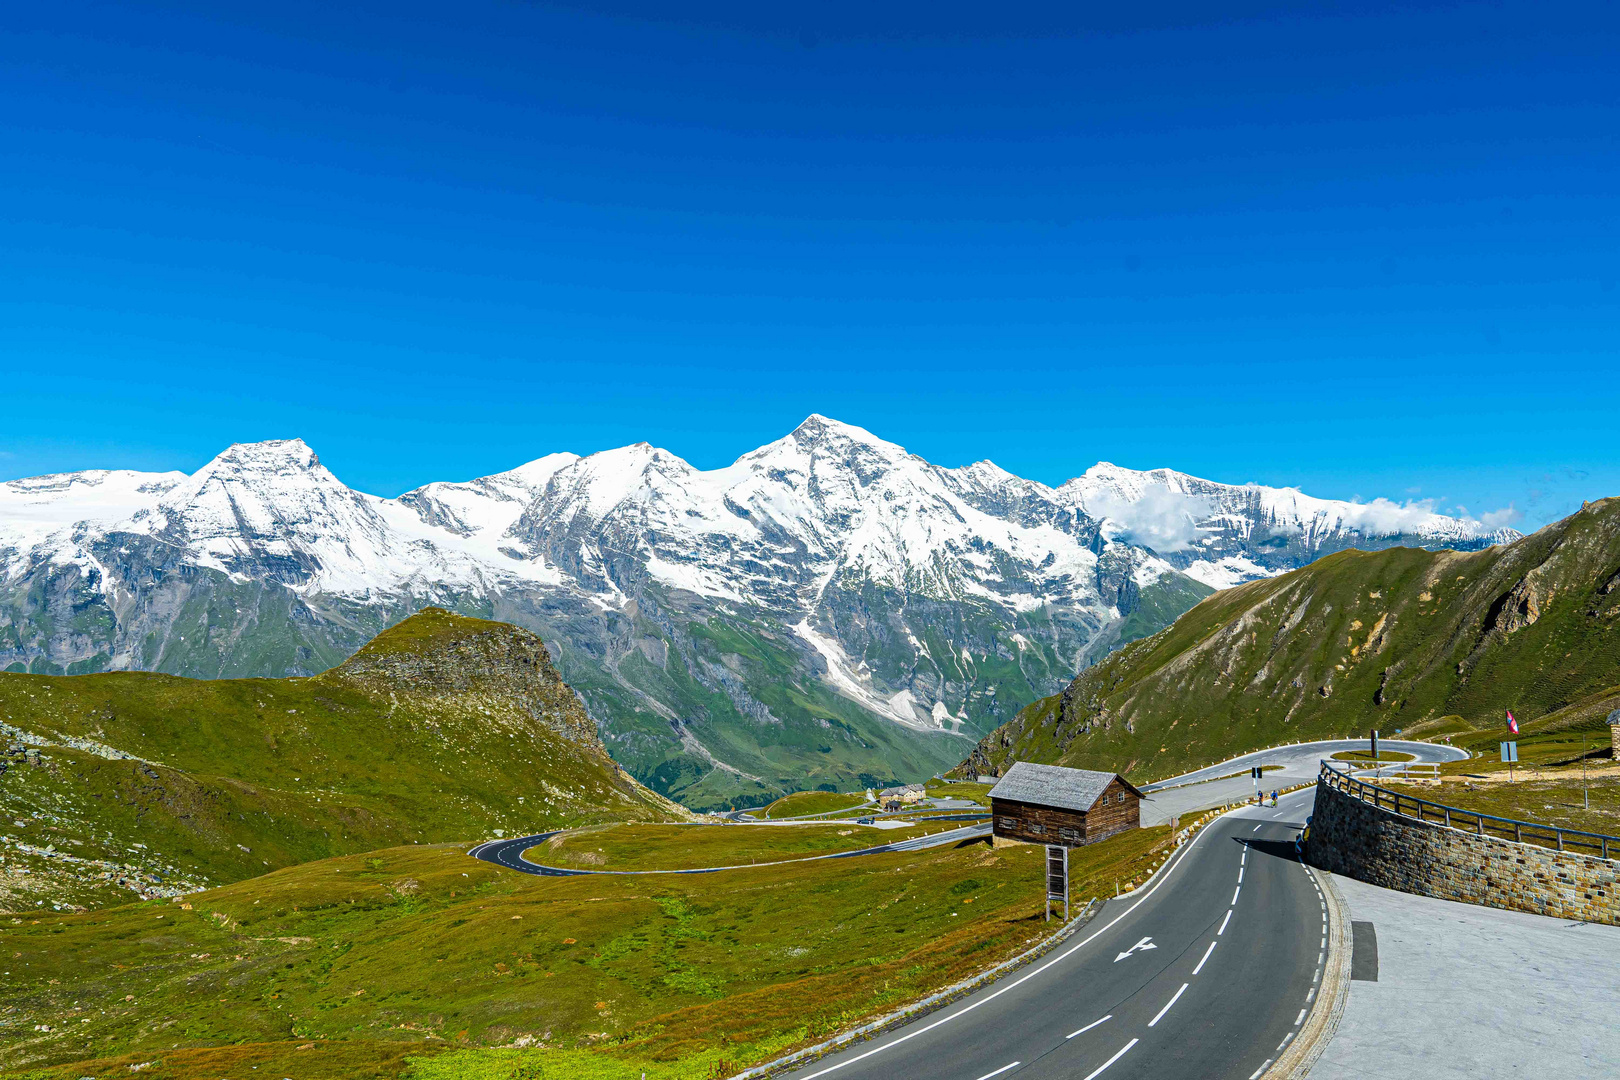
pixel 509 853
pixel 1208 972
pixel 1201 789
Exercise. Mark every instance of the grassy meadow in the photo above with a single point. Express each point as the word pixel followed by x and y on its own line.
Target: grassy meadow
pixel 802 803
pixel 416 959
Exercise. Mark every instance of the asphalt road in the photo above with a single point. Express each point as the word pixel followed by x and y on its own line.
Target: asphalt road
pixel 1237 930
pixel 1200 790
pixel 509 853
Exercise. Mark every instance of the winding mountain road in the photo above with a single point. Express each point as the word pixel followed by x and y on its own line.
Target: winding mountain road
pixel 1215 785
pixel 509 853
pixel 1208 972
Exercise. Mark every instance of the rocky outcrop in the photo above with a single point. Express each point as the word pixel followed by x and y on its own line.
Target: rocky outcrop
pixel 469 664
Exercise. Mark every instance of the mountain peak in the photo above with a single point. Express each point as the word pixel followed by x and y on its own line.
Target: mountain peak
pixel 818 430
pixel 270 455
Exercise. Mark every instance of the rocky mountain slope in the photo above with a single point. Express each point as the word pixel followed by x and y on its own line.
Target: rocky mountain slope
pixel 1402 640
pixel 828 609
pixel 441 728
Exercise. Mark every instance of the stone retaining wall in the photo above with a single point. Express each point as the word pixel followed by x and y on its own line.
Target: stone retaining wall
pixel 1358 840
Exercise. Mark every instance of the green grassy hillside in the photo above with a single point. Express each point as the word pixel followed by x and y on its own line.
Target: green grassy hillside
pixel 1400 639
pixel 340 967
pixel 442 728
pixel 801 803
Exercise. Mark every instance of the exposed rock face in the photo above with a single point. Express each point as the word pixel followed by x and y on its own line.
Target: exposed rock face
pixel 827 609
pixel 484 667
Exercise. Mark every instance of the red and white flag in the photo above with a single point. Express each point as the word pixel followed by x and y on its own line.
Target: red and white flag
pixel 1513 725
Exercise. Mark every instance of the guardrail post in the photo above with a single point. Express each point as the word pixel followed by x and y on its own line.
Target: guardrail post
pixel 1448 817
pixel 1518 832
pixel 1560 834
pixel 1479 823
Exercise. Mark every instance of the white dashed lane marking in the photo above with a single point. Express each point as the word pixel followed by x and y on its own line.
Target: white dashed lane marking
pixel 1117 1055
pixel 1088 1027
pixel 999 1071
pixel 1205 960
pixel 1173 999
pixel 1224 921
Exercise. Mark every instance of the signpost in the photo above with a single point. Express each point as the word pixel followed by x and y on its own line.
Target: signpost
pixel 1510 754
pixel 1372 737
pixel 1257 772
pixel 1057 879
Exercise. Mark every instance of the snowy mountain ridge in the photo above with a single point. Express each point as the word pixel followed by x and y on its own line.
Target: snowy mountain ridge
pixel 904 602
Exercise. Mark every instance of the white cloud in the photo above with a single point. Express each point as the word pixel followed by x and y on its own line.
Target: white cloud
pixel 1383 517
pixel 1506 517
pixel 1160 519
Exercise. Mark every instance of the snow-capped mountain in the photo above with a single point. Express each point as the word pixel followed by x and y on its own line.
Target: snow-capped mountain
pixel 828 608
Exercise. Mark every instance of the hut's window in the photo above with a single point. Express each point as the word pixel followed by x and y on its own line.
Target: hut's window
pixel 1037 829
pixel 1120 799
pixel 1009 823
pixel 1068 834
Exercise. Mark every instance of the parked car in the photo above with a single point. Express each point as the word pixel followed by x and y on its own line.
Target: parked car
pixel 863 821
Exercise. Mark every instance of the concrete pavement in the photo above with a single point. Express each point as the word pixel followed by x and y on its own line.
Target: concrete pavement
pixel 1473 993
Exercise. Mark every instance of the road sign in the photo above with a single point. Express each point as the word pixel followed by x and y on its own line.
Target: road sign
pixel 1510 752
pixel 1057 879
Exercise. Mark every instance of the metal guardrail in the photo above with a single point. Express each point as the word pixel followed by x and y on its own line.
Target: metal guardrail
pixel 1482 824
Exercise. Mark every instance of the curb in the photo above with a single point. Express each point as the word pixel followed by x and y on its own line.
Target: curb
pixel 934 1002
pixel 1322 1024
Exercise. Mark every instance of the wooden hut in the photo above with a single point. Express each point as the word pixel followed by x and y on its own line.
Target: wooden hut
pixel 1048 804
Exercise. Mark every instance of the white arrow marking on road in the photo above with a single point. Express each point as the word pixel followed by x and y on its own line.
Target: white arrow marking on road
pixel 1145 944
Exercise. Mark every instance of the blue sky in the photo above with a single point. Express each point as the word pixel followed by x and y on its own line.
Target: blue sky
pixel 1369 250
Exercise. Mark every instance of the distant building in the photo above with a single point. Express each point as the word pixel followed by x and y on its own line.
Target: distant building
pixel 1614 734
pixel 910 793
pixel 1048 804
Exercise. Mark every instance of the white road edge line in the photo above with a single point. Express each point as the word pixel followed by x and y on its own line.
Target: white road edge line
pixel 1256 1074
pixel 1118 1054
pixel 1173 999
pixel 1088 1027
pixel 1224 921
pixel 1257 827
pixel 1205 960
pixel 1300 1019
pixel 1058 959
pixel 999 1071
